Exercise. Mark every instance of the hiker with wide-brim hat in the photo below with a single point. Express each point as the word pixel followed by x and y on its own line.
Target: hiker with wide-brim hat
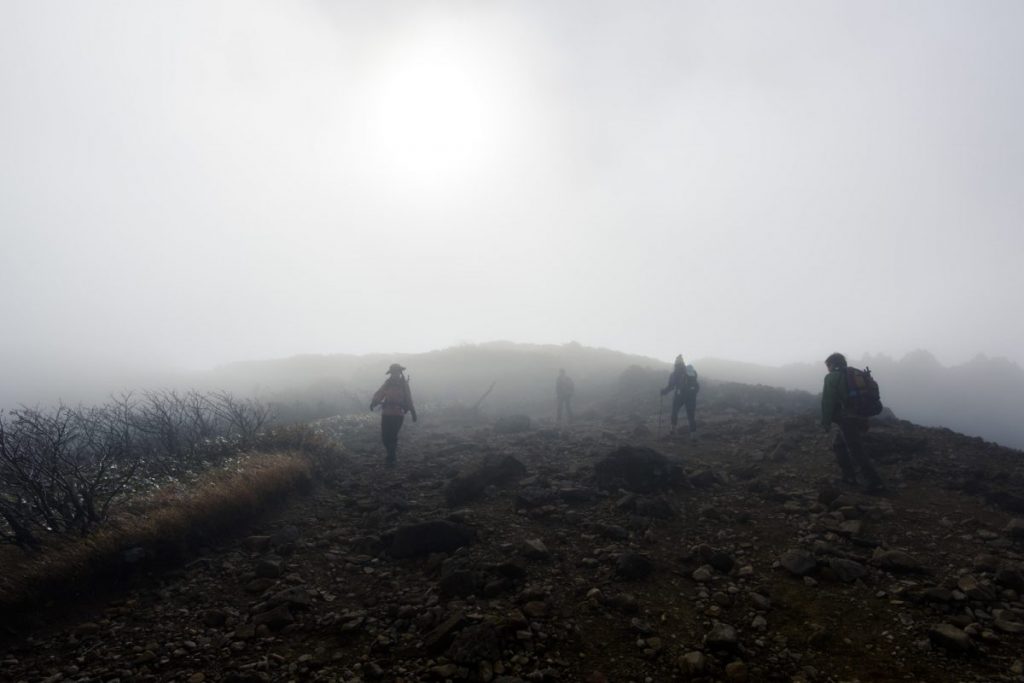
pixel 395 400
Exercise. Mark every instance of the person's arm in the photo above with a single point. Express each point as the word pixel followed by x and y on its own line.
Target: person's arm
pixel 672 379
pixel 828 401
pixel 377 398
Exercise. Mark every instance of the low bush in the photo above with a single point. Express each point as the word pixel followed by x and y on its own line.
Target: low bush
pixel 160 528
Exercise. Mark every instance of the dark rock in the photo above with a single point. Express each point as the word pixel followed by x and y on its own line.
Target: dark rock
pixel 847 571
pixel 493 470
pixel 1015 528
pixel 473 644
pixel 896 561
pixel 1010 577
pixel 722 636
pixel 534 549
pixel 721 561
pixel 612 532
pixel 437 536
pixel 269 568
pixel 257 544
pixel 576 495
pixel 950 637
pixel 633 566
pixel 257 586
pixel 624 602
pixel 286 536
pixel 657 507
pixel 704 479
pixel 214 618
pixel 798 562
pixel 636 468
pixel 532 498
pixel 460 583
pixel 274 618
pixel 437 641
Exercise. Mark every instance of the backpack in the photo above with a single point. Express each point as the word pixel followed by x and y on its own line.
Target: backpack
pixel 862 396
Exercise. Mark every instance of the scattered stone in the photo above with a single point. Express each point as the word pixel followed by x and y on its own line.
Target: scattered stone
pixel 274 618
pixel 493 470
pixel 430 537
pixel 633 566
pixel 269 568
pixel 693 663
pixel 1015 528
pixel 736 671
pixel 847 571
pixel 476 643
pixel 534 549
pixel 798 562
pixel 896 561
pixel 722 636
pixel 950 637
pixel 636 468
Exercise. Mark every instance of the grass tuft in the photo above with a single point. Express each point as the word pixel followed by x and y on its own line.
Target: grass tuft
pixel 168 525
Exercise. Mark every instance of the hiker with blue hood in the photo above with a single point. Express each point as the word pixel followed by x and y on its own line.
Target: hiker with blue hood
pixel 683 381
pixel 395 400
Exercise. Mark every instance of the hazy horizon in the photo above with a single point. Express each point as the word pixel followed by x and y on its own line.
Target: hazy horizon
pixel 193 184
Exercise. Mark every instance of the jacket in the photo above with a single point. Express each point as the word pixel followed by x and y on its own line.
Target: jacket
pixel 833 396
pixel 683 379
pixel 394 397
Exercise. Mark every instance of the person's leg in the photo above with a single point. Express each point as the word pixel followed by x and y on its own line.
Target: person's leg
pixel 691 413
pixel 568 408
pixel 843 457
pixel 851 431
pixel 390 424
pixel 561 402
pixel 677 403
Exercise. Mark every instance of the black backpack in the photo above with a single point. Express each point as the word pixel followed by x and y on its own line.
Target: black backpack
pixel 862 396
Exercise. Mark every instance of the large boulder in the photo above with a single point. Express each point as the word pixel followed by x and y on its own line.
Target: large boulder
pixel 436 536
pixel 636 468
pixel 474 479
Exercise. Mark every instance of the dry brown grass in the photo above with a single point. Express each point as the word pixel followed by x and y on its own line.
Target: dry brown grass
pixel 168 525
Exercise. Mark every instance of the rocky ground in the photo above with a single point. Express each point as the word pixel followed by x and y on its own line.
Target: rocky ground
pixel 522 553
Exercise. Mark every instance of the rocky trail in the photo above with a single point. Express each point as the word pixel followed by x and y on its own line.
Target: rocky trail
pixel 518 552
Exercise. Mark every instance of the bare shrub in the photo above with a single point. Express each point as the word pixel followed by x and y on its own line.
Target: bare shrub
pixel 61 470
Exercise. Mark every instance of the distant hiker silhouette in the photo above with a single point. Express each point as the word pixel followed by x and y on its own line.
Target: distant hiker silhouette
pixel 395 400
pixel 683 381
pixel 838 408
pixel 564 389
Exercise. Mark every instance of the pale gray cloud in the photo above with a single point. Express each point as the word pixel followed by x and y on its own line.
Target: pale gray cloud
pixel 185 184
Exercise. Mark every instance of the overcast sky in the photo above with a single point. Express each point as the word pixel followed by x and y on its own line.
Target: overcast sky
pixel 189 183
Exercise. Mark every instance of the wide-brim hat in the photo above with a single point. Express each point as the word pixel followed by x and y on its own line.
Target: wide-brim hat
pixel 395 369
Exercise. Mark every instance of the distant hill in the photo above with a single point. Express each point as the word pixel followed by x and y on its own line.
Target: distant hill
pixel 984 397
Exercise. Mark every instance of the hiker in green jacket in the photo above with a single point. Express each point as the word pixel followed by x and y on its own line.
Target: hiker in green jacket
pixel 847 445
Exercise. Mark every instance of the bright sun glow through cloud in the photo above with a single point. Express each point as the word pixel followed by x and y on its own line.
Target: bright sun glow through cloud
pixel 434 120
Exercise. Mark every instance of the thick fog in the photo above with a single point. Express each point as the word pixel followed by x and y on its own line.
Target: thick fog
pixel 187 184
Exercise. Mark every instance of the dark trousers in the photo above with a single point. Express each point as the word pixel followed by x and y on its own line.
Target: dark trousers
pixel 849 449
pixel 389 426
pixel 689 400
pixel 563 402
